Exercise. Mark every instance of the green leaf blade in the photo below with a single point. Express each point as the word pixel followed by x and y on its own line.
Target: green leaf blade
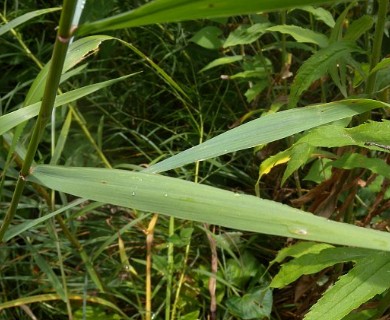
pixel 367 279
pixel 191 201
pixel 162 11
pixel 267 129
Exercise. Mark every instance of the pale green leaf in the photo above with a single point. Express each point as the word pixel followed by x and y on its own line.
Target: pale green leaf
pixel 320 14
pixel 12 119
pixel 317 66
pixel 24 18
pixel 335 136
pixel 299 155
pixel 245 34
pixel 196 202
pixel 369 277
pixel 315 262
pixel 52 297
pixel 267 129
pixel 222 61
pixel 255 304
pixel 383 64
pixel 161 11
pixel 208 37
pixel 354 160
pixel 299 249
pixel 78 51
pixel 14 231
pixel 302 35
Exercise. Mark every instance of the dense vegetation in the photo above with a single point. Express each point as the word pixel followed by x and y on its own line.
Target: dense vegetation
pixel 192 145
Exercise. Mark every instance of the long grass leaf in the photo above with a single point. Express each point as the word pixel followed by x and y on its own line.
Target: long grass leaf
pixel 78 51
pixel 52 297
pixel 191 201
pixel 12 119
pixel 24 18
pixel 267 129
pixel 161 11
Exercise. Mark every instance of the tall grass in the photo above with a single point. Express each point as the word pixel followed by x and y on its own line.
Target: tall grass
pixel 251 112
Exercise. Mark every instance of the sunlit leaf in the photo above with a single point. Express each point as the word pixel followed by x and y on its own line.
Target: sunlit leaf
pixel 301 34
pixel 320 14
pixel 208 37
pixel 245 34
pixel 222 61
pixel 160 11
pixel 267 129
pixel 196 202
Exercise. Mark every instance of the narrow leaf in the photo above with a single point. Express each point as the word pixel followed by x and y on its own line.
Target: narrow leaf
pixel 267 129
pixel 24 18
pixel 12 119
pixel 78 51
pixel 161 11
pixel 222 61
pixel 191 201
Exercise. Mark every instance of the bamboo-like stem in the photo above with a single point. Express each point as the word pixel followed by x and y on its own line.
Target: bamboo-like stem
pixel 59 53
pixel 168 294
pixel 149 243
pixel 383 6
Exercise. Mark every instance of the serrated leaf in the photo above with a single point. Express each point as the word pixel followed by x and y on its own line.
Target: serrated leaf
pixel 208 37
pixel 267 129
pixel 317 66
pixel 24 18
pixel 369 277
pixel 315 262
pixel 221 61
pixel 162 11
pixel 245 34
pixel 196 202
pixel 302 35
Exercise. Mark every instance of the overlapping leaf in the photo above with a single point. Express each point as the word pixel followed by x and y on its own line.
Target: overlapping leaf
pixel 191 201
